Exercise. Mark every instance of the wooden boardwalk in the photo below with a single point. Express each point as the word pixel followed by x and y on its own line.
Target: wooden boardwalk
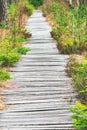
pixel 43 93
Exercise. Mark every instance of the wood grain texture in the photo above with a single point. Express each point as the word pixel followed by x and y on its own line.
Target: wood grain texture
pixel 43 92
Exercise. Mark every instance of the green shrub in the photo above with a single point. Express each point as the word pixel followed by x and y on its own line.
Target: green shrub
pixel 55 7
pixel 7 45
pixel 78 72
pixel 29 9
pixel 56 33
pixel 4 75
pixel 71 31
pixel 10 59
pixel 80 81
pixel 25 33
pixel 80 116
pixel 3 25
pixel 12 12
pixel 13 58
pixel 36 3
pixel 23 50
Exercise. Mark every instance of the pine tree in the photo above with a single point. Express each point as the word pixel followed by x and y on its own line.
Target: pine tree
pixel 3 10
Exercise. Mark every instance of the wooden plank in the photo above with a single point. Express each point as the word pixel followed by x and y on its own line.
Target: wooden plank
pixel 38 128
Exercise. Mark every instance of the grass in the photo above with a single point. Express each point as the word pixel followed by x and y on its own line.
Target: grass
pixel 23 50
pixel 77 69
pixel 70 32
pixel 4 75
pixel 2 105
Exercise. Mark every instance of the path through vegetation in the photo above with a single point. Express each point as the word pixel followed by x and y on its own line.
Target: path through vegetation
pixel 43 93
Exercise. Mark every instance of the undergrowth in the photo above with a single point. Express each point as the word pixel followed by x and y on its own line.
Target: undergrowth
pixel 23 50
pixel 11 45
pixel 4 75
pixel 77 69
pixel 71 31
pixel 36 3
pixel 79 116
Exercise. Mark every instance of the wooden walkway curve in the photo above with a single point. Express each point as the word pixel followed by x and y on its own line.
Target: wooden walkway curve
pixel 43 93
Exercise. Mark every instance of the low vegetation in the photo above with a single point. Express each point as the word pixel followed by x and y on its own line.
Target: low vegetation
pixel 77 69
pixel 4 75
pixel 80 116
pixel 36 3
pixel 13 37
pixel 11 44
pixel 70 32
pixel 23 50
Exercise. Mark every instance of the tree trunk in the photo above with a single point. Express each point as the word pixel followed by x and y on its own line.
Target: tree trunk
pixel 77 2
pixel 3 10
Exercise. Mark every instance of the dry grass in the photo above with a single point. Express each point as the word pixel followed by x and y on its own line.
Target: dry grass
pixel 77 58
pixel 50 21
pixel 2 104
pixel 3 33
pixel 3 86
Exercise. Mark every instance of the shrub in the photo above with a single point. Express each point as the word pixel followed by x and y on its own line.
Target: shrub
pixel 36 3
pixel 4 75
pixel 80 116
pixel 80 81
pixel 78 71
pixel 71 31
pixel 9 59
pixel 56 33
pixel 25 33
pixel 23 50
pixel 29 9
pixel 7 45
pixel 3 25
pixel 12 12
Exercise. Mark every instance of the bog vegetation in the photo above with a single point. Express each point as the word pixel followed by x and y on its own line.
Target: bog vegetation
pixel 70 31
pixel 69 21
pixel 13 35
